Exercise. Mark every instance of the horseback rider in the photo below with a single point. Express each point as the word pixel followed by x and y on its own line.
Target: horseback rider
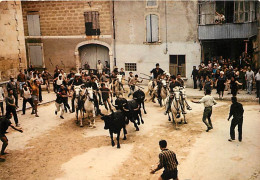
pixel 75 82
pixel 174 83
pixel 157 72
pixel 93 84
pixel 132 83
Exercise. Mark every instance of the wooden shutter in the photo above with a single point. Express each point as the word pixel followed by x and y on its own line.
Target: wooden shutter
pixel 151 2
pixel 155 28
pixel 34 25
pixel 152 28
pixel 148 28
pixel 36 56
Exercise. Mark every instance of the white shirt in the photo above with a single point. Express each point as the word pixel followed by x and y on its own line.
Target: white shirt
pixel 100 66
pixel 59 81
pixel 27 94
pixel 208 101
pixel 1 94
pixel 257 77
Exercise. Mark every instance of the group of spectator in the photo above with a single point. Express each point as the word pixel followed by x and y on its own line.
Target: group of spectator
pixel 227 75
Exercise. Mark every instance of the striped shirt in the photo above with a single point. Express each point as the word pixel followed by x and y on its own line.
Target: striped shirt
pixel 168 160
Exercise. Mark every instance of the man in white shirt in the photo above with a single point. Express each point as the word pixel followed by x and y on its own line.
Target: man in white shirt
pixel 257 79
pixel 249 80
pixel 27 97
pixel 2 100
pixel 99 67
pixel 208 101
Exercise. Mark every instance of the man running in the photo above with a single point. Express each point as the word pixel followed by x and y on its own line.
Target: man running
pixel 168 161
pixel 208 102
pixel 237 111
pixel 4 124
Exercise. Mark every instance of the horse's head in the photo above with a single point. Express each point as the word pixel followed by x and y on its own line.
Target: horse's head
pixel 90 93
pixel 119 77
pixel 183 92
pixel 164 84
pixel 77 90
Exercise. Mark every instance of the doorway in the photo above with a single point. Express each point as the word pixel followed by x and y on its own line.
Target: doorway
pixel 91 53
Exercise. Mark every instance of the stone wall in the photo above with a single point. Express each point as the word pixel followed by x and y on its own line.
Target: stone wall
pixel 64 18
pixel 12 45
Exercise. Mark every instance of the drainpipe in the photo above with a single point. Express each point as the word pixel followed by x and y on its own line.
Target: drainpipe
pixel 114 31
pixel 166 27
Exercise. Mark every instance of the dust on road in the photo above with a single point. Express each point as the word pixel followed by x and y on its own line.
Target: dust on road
pixel 66 151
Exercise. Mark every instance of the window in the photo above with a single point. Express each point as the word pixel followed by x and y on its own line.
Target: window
pixel 130 66
pixel 152 28
pixel 151 3
pixel 35 52
pixel 177 65
pixel 34 24
pixel 244 11
pixel 92 23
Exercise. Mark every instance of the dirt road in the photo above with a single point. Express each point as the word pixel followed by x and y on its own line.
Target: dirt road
pixel 52 148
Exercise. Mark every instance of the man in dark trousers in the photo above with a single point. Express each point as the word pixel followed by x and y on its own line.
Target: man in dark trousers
pixel 237 111
pixel 4 124
pixel 194 75
pixel 11 107
pixel 168 161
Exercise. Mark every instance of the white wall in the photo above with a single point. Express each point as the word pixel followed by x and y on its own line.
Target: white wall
pixel 146 56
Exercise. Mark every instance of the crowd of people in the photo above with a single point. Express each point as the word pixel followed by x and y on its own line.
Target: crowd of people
pixel 226 75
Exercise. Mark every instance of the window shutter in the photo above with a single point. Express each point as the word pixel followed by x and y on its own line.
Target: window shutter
pixel 155 28
pixel 148 28
pixel 34 25
pixel 151 2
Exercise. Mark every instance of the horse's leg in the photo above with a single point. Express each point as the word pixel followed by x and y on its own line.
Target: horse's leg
pixel 169 117
pixel 174 119
pixel 111 136
pixel 117 138
pixel 81 118
pixel 144 108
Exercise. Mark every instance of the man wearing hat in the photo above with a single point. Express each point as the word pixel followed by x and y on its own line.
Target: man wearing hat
pixel 12 85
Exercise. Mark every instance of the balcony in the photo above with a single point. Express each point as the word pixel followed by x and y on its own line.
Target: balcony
pixel 227 31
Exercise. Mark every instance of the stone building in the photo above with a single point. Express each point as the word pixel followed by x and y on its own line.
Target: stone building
pixel 12 46
pixel 67 33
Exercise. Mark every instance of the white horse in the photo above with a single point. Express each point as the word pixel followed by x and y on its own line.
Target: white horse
pixel 89 108
pixel 164 93
pixel 175 109
pixel 78 95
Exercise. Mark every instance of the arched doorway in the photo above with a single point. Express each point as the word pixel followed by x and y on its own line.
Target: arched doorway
pixel 92 48
pixel 91 53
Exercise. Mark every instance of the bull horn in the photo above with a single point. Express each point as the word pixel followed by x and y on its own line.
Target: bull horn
pixel 137 108
pixel 124 104
pixel 135 98
pixel 126 109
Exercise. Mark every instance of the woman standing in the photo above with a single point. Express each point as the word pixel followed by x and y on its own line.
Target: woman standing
pixel 234 86
pixel 221 82
pixel 35 96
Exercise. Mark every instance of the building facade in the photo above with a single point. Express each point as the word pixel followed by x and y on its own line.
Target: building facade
pixel 67 33
pixel 12 45
pixel 150 32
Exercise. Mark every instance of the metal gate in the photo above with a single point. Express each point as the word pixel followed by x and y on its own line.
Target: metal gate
pixel 91 53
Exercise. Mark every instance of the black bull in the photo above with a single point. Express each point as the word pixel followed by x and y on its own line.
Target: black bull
pixel 115 122
pixel 131 109
pixel 139 96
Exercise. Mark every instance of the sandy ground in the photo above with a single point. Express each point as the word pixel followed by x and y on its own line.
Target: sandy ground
pixel 54 148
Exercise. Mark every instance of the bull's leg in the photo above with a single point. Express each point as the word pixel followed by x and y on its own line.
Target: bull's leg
pixel 144 108
pixel 125 132
pixel 136 126
pixel 117 138
pixel 111 136
pixel 140 114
